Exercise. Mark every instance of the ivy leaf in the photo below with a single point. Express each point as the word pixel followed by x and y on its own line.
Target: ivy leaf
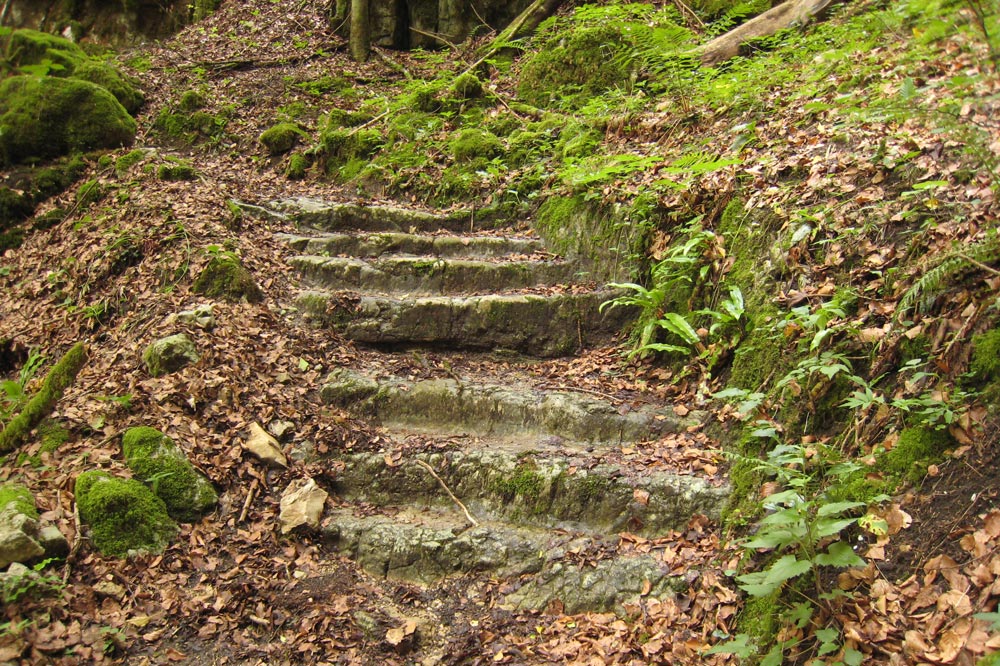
pixel 839 554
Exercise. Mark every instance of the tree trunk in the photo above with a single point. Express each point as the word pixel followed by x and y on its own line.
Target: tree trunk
pixel 785 15
pixel 522 26
pixel 361 38
pixel 339 16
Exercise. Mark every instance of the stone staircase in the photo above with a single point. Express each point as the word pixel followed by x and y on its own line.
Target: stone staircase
pixel 500 476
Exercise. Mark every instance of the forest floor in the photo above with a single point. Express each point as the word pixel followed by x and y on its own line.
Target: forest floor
pixel 231 589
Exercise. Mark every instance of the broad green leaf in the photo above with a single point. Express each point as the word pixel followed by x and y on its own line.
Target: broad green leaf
pixel 827 527
pixel 852 657
pixel 680 327
pixel 763 583
pixel 775 656
pixel 839 554
pixel 740 645
pixel 834 508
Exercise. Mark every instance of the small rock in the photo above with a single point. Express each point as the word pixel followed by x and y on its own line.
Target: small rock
pixel 201 316
pixel 301 504
pixel 16 570
pixel 53 541
pixel 264 446
pixel 17 537
pixel 280 428
pixel 107 588
pixel 169 354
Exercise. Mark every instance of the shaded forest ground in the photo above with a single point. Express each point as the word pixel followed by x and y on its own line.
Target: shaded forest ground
pixel 874 157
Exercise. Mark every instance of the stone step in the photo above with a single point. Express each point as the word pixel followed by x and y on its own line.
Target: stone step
pixel 544 486
pixel 424 547
pixel 541 325
pixel 334 216
pixel 380 244
pixel 422 276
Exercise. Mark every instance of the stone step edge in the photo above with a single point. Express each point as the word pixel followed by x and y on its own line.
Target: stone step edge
pixel 371 244
pixel 499 409
pixel 324 215
pixel 544 489
pixel 538 564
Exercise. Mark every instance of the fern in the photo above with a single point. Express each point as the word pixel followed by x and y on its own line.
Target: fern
pixel 922 295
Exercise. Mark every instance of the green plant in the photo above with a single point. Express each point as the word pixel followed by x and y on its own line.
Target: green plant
pixel 32 583
pixel 947 272
pixel 15 390
pixel 802 533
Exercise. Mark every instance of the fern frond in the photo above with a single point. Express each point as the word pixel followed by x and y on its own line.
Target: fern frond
pixel 922 295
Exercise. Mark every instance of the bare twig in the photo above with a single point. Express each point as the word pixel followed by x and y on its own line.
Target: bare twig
pixel 977 264
pixel 77 543
pixel 248 501
pixel 454 499
pixel 599 394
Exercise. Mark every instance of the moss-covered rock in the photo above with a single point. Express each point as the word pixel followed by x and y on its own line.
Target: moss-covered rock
pixel 123 514
pixel 27 48
pixel 57 178
pixel 108 77
pixel 176 170
pixel 472 143
pixel 296 168
pixel 467 86
pixel 339 148
pixel 42 117
pixel 225 277
pixel 169 354
pixel 18 495
pixel 157 461
pixel 915 449
pixel 281 138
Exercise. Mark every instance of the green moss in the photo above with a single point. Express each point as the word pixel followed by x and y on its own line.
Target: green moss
pixel 760 620
pixel 340 118
pixel 296 168
pixel 89 193
pixel 202 8
pixel 525 483
pixel 338 147
pixel 20 497
pixel 176 170
pixel 281 138
pixel 159 463
pixel 985 362
pixel 225 277
pixel 169 354
pixel 190 128
pixel 59 56
pixel 471 143
pixel 53 436
pixel 424 97
pixel 579 59
pixel 123 514
pixel 48 219
pixel 56 179
pixel 112 80
pixel 125 163
pixel 191 101
pixel 11 239
pixel 48 117
pixel 915 449
pixel 56 381
pixel 467 86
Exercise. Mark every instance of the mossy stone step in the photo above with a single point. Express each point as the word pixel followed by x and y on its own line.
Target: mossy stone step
pixel 542 486
pixel 427 546
pixel 536 324
pixel 499 410
pixel 333 216
pixel 424 276
pixel 380 244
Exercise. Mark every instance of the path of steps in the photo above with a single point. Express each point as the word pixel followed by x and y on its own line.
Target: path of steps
pixel 540 481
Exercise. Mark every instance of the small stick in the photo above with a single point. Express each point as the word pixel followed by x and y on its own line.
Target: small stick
pixel 77 542
pixel 247 501
pixel 561 387
pixel 978 264
pixel 475 523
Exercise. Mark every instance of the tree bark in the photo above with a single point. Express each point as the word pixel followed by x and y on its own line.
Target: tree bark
pixel 361 38
pixel 785 15
pixel 522 26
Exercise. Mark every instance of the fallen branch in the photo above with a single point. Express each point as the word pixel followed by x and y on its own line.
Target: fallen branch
pixel 42 403
pixel 475 523
pixel 248 501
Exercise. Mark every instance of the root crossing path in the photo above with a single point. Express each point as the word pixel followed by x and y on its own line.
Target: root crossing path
pixel 497 474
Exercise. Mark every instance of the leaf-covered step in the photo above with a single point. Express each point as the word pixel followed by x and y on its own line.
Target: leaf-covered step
pixel 380 244
pixel 537 485
pixel 498 410
pixel 540 325
pixel 426 546
pixel 429 276
pixel 335 216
